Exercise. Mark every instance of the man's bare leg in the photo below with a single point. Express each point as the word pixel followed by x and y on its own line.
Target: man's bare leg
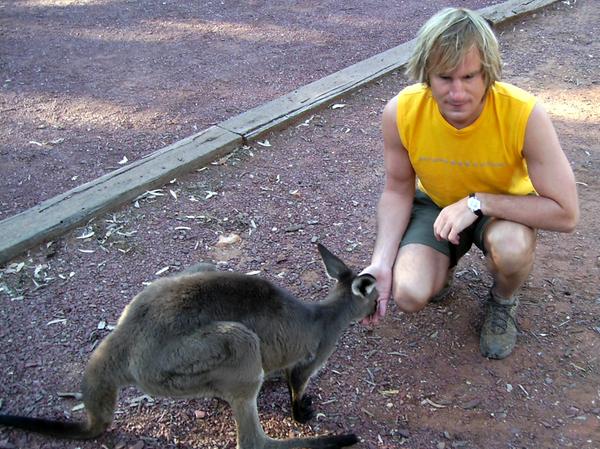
pixel 510 253
pixel 419 273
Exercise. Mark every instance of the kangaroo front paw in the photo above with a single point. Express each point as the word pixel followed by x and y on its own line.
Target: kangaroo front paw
pixel 302 410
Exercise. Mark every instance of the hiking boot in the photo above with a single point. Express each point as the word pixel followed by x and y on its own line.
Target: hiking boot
pixel 445 291
pixel 499 331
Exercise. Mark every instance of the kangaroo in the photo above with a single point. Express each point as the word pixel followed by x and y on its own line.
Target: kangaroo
pixel 207 333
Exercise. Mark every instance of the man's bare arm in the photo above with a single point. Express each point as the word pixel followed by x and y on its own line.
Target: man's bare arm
pixel 393 209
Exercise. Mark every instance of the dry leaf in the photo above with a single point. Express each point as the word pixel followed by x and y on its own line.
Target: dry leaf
pixel 78 407
pixel 138 399
pixel 223 160
pixel 389 392
pixel 306 122
pixel 225 240
pixel 86 235
pixel 126 234
pixel 161 271
pixel 266 143
pixel 123 161
pixel 74 395
pixel 15 267
pixel 433 404
pixel 59 320
pixel 338 106
pixel 38 270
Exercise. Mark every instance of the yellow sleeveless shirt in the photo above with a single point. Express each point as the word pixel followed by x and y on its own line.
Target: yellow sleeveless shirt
pixel 486 156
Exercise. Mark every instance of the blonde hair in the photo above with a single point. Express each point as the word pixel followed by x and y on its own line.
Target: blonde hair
pixel 445 39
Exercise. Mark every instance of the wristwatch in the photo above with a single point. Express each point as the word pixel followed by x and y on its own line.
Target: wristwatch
pixel 474 205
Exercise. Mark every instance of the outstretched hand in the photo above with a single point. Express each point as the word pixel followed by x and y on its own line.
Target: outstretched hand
pixel 384 287
pixel 452 220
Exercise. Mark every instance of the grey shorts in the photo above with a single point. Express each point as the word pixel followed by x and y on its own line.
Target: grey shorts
pixel 420 230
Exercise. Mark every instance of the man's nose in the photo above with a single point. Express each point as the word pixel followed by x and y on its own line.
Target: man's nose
pixel 457 89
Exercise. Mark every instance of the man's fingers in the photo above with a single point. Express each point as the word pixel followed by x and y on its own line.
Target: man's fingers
pixel 382 307
pixel 453 237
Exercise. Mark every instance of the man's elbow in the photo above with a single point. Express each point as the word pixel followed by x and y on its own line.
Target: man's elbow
pixel 570 221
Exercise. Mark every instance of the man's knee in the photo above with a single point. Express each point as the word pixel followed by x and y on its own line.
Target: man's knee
pixel 510 246
pixel 410 298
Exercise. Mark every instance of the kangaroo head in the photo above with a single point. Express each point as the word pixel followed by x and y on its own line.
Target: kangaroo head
pixel 361 288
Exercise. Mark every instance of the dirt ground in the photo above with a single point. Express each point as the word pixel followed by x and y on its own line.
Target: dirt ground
pixel 415 381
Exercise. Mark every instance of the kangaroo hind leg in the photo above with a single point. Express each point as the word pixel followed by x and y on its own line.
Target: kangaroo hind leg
pixel 222 360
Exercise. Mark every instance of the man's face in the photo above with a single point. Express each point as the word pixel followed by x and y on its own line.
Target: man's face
pixel 459 93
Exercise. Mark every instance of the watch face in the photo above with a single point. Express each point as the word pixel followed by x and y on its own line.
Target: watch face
pixel 473 204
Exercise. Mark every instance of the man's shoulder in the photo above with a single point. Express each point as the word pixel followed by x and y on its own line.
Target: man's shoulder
pixel 511 92
pixel 413 96
pixel 418 89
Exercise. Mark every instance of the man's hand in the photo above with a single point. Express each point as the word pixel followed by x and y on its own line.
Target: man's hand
pixel 383 277
pixel 452 220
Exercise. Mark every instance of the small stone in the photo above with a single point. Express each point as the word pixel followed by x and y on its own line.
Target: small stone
pixel 404 433
pixel 471 404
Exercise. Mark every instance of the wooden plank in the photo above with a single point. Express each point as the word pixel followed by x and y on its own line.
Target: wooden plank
pixel 63 212
pixel 512 9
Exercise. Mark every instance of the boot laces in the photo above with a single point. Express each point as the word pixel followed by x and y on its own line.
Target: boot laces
pixel 500 316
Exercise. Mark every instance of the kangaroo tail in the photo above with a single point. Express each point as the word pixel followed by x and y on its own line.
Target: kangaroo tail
pixel 99 389
pixel 323 442
pixel 61 429
pixel 99 398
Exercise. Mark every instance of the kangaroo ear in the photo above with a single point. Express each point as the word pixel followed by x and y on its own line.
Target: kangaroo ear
pixel 334 266
pixel 364 285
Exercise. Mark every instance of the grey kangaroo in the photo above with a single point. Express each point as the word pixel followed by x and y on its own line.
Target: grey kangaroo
pixel 215 334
